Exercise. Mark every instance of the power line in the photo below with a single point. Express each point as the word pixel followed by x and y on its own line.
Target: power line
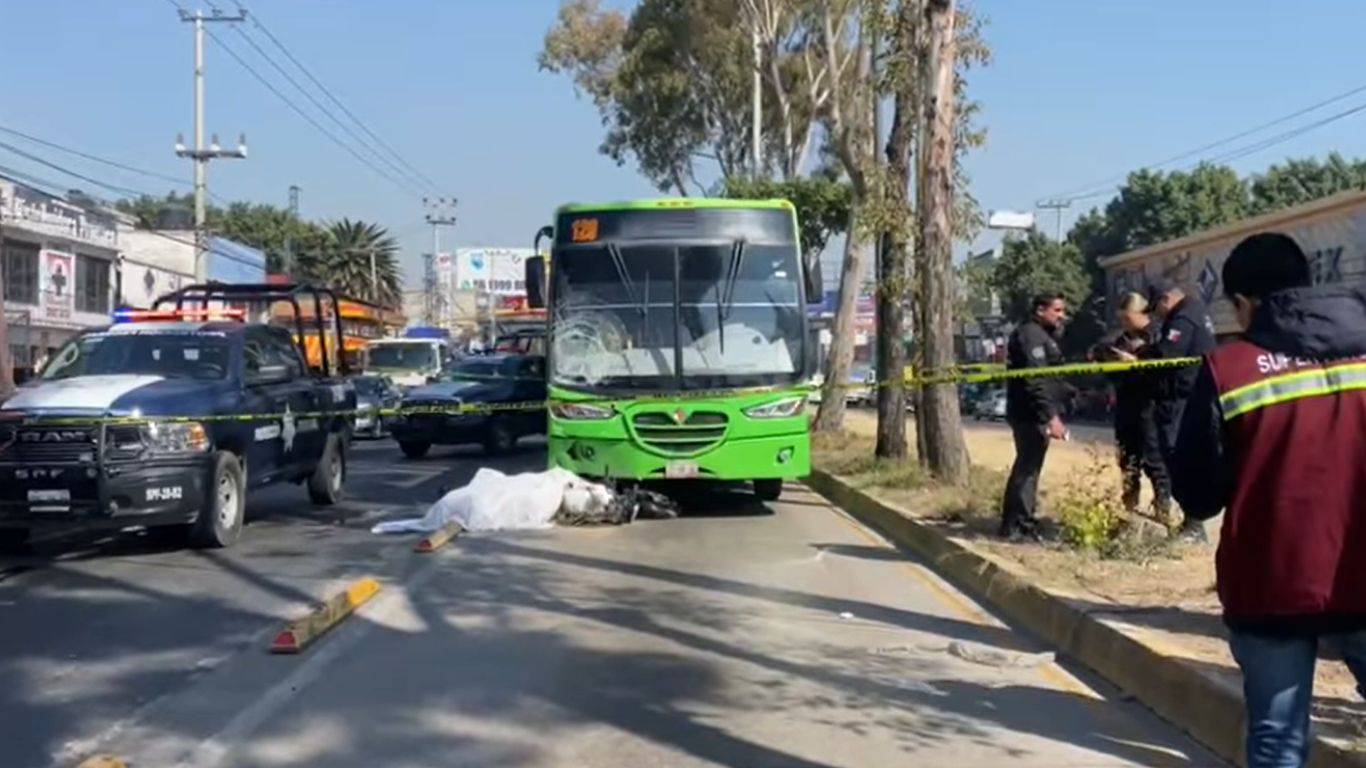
pixel 311 121
pixel 256 21
pixel 1251 149
pixel 320 106
pixel 1092 189
pixel 69 172
pixel 307 117
pixel 95 158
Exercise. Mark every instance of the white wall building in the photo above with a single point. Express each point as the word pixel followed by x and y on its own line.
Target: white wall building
pixel 59 262
pixel 154 264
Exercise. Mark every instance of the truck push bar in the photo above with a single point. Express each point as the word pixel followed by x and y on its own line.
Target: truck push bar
pixel 268 293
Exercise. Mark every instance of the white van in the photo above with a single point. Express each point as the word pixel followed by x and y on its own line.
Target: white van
pixel 408 362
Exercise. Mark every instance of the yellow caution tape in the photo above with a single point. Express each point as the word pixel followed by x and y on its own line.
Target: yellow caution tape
pixel 956 375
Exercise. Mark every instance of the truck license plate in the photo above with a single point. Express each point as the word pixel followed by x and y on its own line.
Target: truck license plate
pixel 680 470
pixel 60 495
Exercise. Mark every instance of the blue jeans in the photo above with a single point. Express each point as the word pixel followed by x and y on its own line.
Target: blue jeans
pixel 1278 688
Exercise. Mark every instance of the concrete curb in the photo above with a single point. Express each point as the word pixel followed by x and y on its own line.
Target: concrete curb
pixel 1205 705
pixel 301 632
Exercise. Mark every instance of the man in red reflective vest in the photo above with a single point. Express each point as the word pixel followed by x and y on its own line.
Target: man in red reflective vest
pixel 1274 434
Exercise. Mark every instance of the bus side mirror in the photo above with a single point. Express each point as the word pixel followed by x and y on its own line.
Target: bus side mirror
pixel 815 287
pixel 535 282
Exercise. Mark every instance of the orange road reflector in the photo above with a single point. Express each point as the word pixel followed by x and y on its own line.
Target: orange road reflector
pixel 301 632
pixel 102 761
pixel 438 538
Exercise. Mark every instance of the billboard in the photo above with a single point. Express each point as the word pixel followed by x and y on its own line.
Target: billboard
pixel 499 271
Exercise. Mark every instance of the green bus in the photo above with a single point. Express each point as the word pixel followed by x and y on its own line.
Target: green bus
pixel 679 343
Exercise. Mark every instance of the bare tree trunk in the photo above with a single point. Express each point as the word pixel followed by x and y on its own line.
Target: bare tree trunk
pixel 830 415
pixel 942 422
pixel 891 351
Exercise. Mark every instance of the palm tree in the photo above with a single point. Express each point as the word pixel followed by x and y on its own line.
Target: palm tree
pixel 360 260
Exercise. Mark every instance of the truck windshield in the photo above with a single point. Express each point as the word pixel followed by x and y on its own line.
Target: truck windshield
pixel 692 315
pixel 179 355
pixel 400 356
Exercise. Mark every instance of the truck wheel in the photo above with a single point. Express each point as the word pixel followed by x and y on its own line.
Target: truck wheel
pixel 329 477
pixel 768 490
pixel 13 541
pixel 498 438
pixel 220 522
pixel 414 450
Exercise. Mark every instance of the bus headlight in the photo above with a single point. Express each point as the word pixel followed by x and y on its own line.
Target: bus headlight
pixel 778 409
pixel 188 437
pixel 582 411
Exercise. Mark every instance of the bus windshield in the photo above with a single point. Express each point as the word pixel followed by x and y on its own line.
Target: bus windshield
pixel 691 315
pixel 401 356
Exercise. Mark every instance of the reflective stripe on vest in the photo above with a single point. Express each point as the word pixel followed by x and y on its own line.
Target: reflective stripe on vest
pixel 1293 386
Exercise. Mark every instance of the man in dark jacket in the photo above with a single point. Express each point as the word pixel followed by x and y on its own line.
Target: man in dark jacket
pixel 1187 331
pixel 1033 410
pixel 1274 434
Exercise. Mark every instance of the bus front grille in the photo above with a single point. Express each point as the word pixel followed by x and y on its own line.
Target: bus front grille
pixel 679 434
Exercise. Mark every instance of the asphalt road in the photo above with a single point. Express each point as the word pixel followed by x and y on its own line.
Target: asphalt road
pixel 740 634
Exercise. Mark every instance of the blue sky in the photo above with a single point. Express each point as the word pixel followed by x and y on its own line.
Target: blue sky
pixel 1080 90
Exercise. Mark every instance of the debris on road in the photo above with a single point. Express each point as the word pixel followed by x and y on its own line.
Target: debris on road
pixel 992 657
pixel 618 508
pixel 493 501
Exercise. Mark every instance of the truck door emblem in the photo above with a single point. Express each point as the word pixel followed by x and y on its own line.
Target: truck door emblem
pixel 287 430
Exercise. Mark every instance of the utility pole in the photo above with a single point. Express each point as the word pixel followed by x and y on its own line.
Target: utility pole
pixel 288 267
pixel 440 213
pixel 199 153
pixel 1056 205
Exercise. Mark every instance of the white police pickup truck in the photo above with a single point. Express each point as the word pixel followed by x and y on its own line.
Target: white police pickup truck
pixel 168 417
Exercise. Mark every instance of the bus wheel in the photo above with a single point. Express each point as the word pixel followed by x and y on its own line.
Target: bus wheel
pixel 768 490
pixel 414 449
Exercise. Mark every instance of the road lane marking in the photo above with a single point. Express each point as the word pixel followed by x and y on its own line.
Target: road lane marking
pixel 215 749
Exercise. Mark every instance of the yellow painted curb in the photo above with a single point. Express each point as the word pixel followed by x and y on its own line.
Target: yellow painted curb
pixel 438 538
pixel 301 632
pixel 102 761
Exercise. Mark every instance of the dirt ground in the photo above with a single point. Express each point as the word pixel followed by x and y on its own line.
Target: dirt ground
pixel 1165 591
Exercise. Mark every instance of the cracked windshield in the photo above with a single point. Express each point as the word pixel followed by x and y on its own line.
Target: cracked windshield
pixel 650 316
pixel 696 383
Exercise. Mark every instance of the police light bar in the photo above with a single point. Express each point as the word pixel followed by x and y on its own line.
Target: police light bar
pixel 179 315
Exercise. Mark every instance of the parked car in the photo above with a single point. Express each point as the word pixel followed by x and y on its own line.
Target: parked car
pixel 374 396
pixel 495 379
pixel 992 406
pixel 861 391
pixel 258 400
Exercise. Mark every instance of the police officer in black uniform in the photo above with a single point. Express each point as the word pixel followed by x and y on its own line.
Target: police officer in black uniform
pixel 1136 437
pixel 1033 409
pixel 1187 331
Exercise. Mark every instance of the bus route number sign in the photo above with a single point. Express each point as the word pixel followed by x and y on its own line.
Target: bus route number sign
pixel 584 230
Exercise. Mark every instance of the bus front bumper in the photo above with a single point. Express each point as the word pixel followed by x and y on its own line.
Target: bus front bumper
pixel 782 457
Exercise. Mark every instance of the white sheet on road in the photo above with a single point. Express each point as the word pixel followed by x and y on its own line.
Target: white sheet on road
pixel 493 501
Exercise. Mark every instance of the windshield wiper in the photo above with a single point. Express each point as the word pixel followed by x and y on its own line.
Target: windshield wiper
pixel 724 300
pixel 620 264
pixel 737 255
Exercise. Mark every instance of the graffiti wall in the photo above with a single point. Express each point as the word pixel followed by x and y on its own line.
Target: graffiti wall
pixel 1334 241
